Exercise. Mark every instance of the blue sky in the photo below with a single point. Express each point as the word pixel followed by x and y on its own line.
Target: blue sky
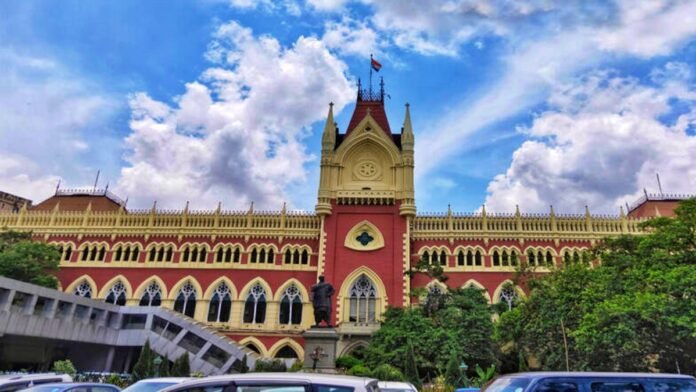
pixel 530 103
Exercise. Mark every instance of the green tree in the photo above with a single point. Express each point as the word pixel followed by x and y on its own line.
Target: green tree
pixel 429 337
pixel 387 372
pixel 634 312
pixel 270 365
pixel 144 367
pixel 30 261
pixel 164 370
pixel 453 374
pixel 181 366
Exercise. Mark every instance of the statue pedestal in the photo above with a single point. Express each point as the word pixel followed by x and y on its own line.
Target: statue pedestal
pixel 320 349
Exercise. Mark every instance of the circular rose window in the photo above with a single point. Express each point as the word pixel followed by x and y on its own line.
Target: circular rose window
pixel 367 170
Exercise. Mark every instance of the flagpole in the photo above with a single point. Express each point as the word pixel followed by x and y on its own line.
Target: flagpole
pixel 370 74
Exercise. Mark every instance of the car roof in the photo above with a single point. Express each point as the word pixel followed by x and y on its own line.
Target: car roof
pixel 34 376
pixel 168 379
pixel 396 384
pixel 598 374
pixel 299 376
pixel 76 384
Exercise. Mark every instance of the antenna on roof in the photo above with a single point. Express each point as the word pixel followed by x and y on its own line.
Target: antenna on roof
pixel 96 180
pixel 57 186
pixel 659 185
pixel 106 188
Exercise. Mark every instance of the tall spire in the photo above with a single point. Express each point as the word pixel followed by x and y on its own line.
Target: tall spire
pixel 407 138
pixel 328 138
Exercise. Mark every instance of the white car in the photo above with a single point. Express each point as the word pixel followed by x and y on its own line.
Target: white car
pixel 155 384
pixel 278 382
pixel 395 386
pixel 15 382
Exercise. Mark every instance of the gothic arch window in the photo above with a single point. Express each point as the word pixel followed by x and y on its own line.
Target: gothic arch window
pixel 194 253
pixel 220 304
pixel 509 296
pixel 126 252
pixel 255 305
pixel 291 306
pixel 161 253
pixel 287 352
pixel 531 257
pixel 83 289
pixel 117 294
pixel 228 254
pixel 152 296
pixel 296 255
pixel 496 258
pixel 469 258
pixel 93 252
pixel 363 301
pixel 185 302
pixel 252 347
pixel 65 252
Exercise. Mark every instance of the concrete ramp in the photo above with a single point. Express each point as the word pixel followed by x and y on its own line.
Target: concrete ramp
pixel 36 317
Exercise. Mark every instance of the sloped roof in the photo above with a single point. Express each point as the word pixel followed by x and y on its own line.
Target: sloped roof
pixel 78 200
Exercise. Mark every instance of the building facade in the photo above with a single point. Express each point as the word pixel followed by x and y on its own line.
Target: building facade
pixel 248 273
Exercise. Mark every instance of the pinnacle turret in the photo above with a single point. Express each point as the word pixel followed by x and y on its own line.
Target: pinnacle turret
pixel 328 138
pixel 407 138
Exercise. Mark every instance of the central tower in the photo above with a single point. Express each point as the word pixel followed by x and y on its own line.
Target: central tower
pixel 366 201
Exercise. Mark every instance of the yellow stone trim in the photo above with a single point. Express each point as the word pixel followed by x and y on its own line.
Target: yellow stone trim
pixel 273 351
pixel 281 289
pixel 177 286
pixel 223 279
pixel 141 288
pixel 93 285
pixel 244 292
pixel 475 283
pixel 107 286
pixel 351 242
pixel 496 293
pixel 257 343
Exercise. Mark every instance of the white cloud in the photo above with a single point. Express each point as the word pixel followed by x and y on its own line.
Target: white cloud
pixel 236 134
pixel 327 5
pixel 350 37
pixel 48 123
pixel 289 6
pixel 599 146
pixel 650 28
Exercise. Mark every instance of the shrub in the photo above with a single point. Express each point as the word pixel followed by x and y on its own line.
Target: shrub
pixel 347 362
pixel 297 366
pixel 360 371
pixel 386 372
pixel 64 367
pixel 266 366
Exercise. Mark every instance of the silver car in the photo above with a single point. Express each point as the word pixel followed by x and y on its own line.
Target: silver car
pixel 278 382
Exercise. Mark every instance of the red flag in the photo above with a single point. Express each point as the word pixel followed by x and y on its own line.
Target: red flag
pixel 375 65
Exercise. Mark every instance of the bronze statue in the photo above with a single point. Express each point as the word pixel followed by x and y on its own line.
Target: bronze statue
pixel 321 300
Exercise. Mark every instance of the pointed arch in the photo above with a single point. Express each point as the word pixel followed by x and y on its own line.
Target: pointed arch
pixel 107 286
pixel 281 289
pixel 437 283
pixel 344 295
pixel 273 351
pixel 143 286
pixel 175 289
pixel 365 227
pixel 502 285
pixel 84 278
pixel 475 283
pixel 245 290
pixel 356 139
pixel 223 279
pixel 348 350
pixel 256 343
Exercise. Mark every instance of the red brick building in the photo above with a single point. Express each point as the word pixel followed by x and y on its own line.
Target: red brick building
pixel 248 273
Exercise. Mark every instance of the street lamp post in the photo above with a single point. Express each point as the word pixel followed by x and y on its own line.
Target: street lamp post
pixel 157 362
pixel 464 367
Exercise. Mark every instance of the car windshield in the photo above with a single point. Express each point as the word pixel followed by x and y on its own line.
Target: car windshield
pixel 395 390
pixel 144 386
pixel 507 384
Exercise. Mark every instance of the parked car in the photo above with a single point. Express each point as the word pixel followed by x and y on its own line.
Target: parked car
pixel 155 384
pixel 591 382
pixel 73 387
pixel 15 382
pixel 395 386
pixel 278 382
